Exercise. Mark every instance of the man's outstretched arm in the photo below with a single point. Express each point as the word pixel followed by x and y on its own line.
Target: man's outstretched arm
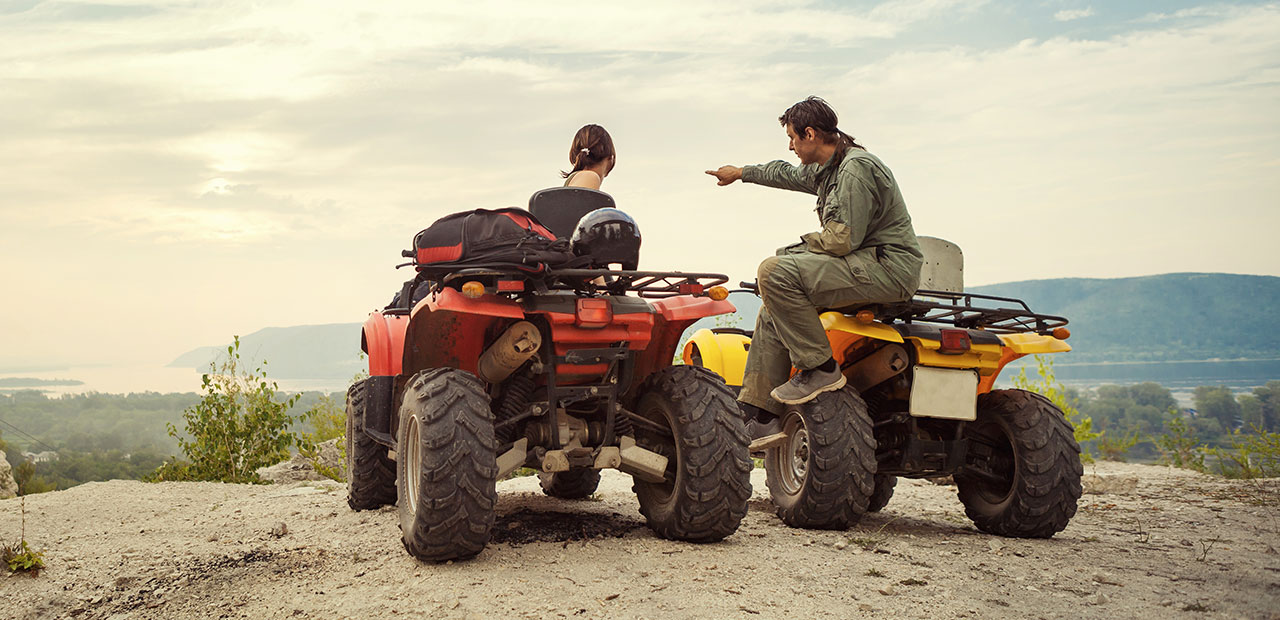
pixel 778 174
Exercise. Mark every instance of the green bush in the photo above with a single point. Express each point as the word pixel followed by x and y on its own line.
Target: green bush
pixel 1248 455
pixel 1178 445
pixel 238 426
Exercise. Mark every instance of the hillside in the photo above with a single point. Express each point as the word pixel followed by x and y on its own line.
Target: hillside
pixel 329 351
pixel 1177 316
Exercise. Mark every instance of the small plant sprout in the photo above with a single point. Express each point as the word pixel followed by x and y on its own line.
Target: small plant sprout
pixel 19 557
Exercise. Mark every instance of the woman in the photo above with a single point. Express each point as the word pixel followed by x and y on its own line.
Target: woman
pixel 592 156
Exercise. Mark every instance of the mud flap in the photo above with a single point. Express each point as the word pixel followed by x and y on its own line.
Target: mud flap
pixel 377 414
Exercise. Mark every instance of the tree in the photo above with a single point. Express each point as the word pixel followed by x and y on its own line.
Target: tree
pixel 1269 397
pixel 1218 403
pixel 237 427
pixel 1251 411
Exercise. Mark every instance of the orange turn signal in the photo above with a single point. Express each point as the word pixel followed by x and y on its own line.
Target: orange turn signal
pixel 472 289
pixel 593 313
pixel 718 293
pixel 865 316
pixel 1061 333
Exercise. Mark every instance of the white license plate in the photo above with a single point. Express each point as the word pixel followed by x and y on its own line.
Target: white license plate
pixel 944 393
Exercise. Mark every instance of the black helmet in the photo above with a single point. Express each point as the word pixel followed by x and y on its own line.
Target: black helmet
pixel 608 236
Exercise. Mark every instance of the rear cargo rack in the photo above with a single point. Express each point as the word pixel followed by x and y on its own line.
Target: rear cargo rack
pixel 963 310
pixel 650 284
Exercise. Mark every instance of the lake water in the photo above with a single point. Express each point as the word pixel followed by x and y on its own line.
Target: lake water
pixel 127 379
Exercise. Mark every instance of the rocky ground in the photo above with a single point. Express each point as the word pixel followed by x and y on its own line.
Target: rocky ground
pixel 1160 542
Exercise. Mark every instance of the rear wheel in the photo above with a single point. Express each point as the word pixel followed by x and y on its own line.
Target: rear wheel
pixel 823 475
pixel 447 466
pixel 572 484
pixel 1023 473
pixel 708 478
pixel 371 474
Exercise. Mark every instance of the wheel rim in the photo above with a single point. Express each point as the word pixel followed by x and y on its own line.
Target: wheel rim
pixel 413 458
pixel 1003 462
pixel 658 413
pixel 794 461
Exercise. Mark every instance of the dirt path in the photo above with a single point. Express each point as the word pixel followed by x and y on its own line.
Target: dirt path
pixel 1180 545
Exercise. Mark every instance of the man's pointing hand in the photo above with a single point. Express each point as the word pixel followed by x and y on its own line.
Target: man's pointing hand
pixel 726 174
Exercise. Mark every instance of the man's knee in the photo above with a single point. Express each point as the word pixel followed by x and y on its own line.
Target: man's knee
pixel 766 269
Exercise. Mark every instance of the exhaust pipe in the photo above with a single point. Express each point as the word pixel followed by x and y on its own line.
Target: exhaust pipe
pixel 512 349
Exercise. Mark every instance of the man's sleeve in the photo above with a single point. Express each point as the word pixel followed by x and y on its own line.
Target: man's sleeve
pixel 783 175
pixel 844 218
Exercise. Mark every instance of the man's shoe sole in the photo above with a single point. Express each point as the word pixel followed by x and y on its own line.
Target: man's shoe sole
pixel 839 383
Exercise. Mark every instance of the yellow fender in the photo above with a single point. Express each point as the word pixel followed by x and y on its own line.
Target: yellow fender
pixel 724 354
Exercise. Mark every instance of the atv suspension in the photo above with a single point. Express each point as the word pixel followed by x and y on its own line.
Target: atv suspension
pixel 515 400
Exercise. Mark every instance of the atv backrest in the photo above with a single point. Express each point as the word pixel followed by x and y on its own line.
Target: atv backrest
pixel 560 208
pixel 943 268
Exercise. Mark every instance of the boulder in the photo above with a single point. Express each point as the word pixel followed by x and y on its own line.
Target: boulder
pixel 1104 484
pixel 8 486
pixel 299 468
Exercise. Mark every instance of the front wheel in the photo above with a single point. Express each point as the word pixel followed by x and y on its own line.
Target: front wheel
pixel 371 475
pixel 1023 473
pixel 446 466
pixel 823 474
pixel 691 417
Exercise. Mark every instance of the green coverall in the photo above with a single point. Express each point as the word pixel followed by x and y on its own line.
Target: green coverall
pixel 865 253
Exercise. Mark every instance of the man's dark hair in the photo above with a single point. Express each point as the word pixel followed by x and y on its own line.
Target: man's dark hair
pixel 815 113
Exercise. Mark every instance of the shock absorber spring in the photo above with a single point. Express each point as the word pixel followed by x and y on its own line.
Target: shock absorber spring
pixel 514 399
pixel 621 422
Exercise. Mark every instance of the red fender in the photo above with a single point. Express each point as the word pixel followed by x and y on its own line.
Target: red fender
pixel 673 315
pixel 450 330
pixel 383 340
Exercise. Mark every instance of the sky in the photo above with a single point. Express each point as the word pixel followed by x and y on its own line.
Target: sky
pixel 173 173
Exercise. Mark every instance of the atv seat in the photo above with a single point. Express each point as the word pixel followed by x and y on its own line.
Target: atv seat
pixel 560 208
pixel 943 270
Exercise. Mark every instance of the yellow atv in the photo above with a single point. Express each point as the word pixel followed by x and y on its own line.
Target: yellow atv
pixel 919 395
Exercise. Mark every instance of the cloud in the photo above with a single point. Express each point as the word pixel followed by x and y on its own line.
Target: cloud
pixel 1067 15
pixel 229 155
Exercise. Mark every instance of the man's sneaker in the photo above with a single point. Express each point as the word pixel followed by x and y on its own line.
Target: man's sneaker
pixel 806 385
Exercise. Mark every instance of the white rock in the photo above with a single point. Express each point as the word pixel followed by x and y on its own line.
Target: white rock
pixel 8 487
pixel 1103 484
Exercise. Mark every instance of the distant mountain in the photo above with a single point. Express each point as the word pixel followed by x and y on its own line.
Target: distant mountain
pixel 1177 316
pixel 302 352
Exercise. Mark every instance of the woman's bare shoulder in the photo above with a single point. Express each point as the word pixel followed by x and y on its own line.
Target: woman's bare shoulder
pixel 584 178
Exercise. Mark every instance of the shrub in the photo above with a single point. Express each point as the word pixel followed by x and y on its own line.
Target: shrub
pixel 1249 455
pixel 238 426
pixel 1178 445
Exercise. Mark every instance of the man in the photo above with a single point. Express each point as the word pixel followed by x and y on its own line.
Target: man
pixel 866 252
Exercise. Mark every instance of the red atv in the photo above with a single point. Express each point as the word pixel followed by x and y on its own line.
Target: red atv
pixel 566 370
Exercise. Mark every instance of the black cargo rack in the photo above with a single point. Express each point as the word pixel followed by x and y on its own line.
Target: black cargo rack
pixel 963 310
pixel 651 284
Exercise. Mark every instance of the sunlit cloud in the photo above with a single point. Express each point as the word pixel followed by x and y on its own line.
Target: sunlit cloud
pixel 1067 15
